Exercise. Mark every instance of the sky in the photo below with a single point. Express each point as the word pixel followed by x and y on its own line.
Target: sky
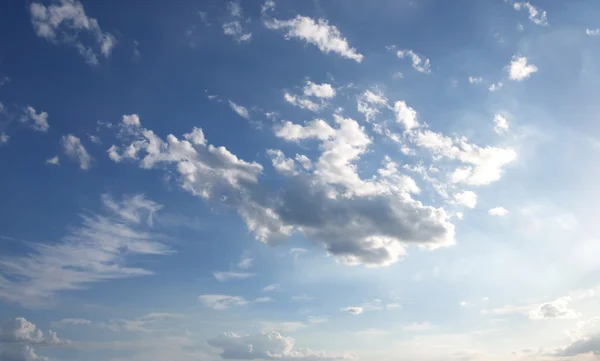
pixel 391 180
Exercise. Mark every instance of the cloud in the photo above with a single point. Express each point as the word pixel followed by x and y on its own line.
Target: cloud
pixel 240 110
pixel 73 148
pixel 245 262
pixel 303 103
pixel 500 124
pixel 405 115
pixel 586 340
pixel 4 138
pixel 36 121
pixel 222 302
pixel 519 70
pixel 466 198
pixel 326 37
pixel 537 16
pixel 558 309
pixel 496 86
pixel 369 103
pixel 54 161
pixel 419 62
pixel 151 322
pixel 17 338
pixel 233 27
pixel 227 276
pixel 282 326
pixel 319 90
pixel 475 80
pixel 64 22
pixel 95 251
pixel 270 288
pixel 360 221
pixel 592 32
pixel 71 322
pixel 355 310
pixel 498 211
pixel 266 7
pixel 267 346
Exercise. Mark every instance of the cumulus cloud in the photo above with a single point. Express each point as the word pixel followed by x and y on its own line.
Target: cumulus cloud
pixel 496 86
pixel 519 69
pixel 405 115
pixel 240 110
pixel 267 346
pixel 221 302
pixel 54 160
pixel 466 198
pixel 17 338
pixel 319 33
pixel 4 138
pixel 64 21
pixel 319 90
pixel 374 218
pixel 369 103
pixel 302 102
pixel 536 15
pixel 95 251
pixel 36 121
pixel 419 62
pixel 475 80
pixel 73 148
pixel 270 288
pixel 585 340
pixel 233 27
pixel 558 309
pixel 498 211
pixel 500 124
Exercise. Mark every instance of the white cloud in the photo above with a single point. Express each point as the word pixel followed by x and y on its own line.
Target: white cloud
pixel 475 80
pixel 73 148
pixel 270 288
pixel 233 27
pixel 64 22
pixel 95 251
pixel 144 324
pixel 370 224
pixel 592 32
pixel 240 110
pixel 585 340
pixel 369 104
pixel 326 37
pixel 303 103
pixel 419 62
pixel 131 120
pixel 37 121
pixel 319 90
pixel 263 299
pixel 466 198
pixel 536 15
pixel 222 302
pixel 95 139
pixel 18 336
pixel 54 160
pixel 268 346
pixel 355 310
pixel 500 124
pixel 227 276
pixel 498 211
pixel 557 309
pixel 405 115
pixel 4 138
pixel 496 86
pixel 245 262
pixel 71 322
pixel 266 7
pixel 519 69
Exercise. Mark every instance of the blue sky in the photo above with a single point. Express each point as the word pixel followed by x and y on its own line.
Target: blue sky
pixel 299 180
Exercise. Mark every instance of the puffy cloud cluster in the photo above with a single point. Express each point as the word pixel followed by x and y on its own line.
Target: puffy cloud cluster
pixel 359 221
pixel 315 96
pixel 538 17
pixel 267 346
pixel 419 62
pixel 37 121
pixel 519 69
pixel 63 22
pixel 319 33
pixel 233 27
pixel 73 148
pixel 17 338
